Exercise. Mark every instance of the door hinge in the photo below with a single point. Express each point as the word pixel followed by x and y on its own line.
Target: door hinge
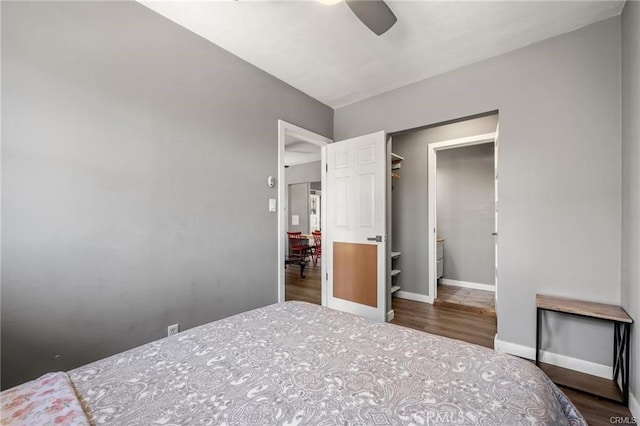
pixel 326 276
pixel 326 167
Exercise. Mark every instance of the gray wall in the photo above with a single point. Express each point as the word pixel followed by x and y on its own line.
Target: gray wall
pixel 410 209
pixel 466 219
pixel 300 173
pixel 559 168
pixel 631 179
pixel 299 205
pixel 134 156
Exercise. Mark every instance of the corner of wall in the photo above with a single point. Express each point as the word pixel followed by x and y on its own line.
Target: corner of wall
pixel 634 406
pixel 630 274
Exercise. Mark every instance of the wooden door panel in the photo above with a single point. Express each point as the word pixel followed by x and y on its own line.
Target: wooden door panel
pixel 355 272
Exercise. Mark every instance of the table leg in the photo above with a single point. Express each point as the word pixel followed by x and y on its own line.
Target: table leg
pixel 538 337
pixel 625 380
pixel 621 347
pixel 616 351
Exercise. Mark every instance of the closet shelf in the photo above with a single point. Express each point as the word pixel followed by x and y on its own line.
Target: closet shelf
pixel 395 158
pixel 396 166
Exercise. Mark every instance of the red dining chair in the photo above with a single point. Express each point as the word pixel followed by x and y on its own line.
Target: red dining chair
pixel 297 246
pixel 317 248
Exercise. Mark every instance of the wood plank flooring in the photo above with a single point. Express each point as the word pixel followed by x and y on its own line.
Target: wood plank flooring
pixel 459 324
pixel 303 289
pixel 468 299
pixel 445 321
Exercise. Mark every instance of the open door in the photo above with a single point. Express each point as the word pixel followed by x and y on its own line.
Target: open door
pixel 355 237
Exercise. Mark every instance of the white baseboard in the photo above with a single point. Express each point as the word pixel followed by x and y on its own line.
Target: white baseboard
pixel 414 296
pixel 467 284
pixel 634 406
pixel 563 361
pixel 390 315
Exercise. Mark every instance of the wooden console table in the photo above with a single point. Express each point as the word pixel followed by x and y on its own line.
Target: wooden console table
pixel 613 313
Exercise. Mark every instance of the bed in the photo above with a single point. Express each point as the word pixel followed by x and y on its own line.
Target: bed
pixel 296 363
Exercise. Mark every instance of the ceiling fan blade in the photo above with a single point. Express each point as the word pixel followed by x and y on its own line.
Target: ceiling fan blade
pixel 375 14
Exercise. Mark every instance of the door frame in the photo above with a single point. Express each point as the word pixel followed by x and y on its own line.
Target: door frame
pixel 288 129
pixel 432 172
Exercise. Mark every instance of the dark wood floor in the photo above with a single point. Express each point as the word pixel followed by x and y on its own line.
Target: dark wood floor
pixel 305 289
pixel 445 321
pixel 464 325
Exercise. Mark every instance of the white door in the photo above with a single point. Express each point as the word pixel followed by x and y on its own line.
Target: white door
pixel 355 237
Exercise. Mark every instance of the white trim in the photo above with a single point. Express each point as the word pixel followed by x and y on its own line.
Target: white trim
pixel 634 406
pixel 496 175
pixel 284 129
pixel 323 221
pixel 563 361
pixel 432 167
pixel 466 141
pixel 468 284
pixel 390 315
pixel 431 230
pixel 413 296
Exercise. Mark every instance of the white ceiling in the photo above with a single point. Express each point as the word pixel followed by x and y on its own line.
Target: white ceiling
pixel 326 52
pixel 300 152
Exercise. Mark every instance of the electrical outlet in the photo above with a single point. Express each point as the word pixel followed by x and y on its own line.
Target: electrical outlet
pixel 173 329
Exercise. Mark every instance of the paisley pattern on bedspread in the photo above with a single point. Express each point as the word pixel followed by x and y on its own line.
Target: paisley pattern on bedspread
pixel 297 363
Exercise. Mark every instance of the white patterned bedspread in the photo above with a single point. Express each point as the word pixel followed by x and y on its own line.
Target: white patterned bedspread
pixel 297 363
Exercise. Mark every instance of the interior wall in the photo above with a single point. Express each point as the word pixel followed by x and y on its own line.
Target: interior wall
pixel 300 173
pixel 134 164
pixel 631 183
pixel 559 172
pixel 466 212
pixel 410 206
pixel 299 206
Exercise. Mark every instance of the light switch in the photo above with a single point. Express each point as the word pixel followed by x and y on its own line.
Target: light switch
pixel 272 204
pixel 295 220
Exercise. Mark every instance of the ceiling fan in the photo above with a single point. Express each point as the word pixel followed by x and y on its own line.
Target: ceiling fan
pixel 375 14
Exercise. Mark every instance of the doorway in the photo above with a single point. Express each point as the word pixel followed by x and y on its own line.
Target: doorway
pixel 463 220
pixel 301 161
pixel 354 192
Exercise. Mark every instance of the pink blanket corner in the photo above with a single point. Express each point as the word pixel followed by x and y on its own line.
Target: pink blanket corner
pixel 49 399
